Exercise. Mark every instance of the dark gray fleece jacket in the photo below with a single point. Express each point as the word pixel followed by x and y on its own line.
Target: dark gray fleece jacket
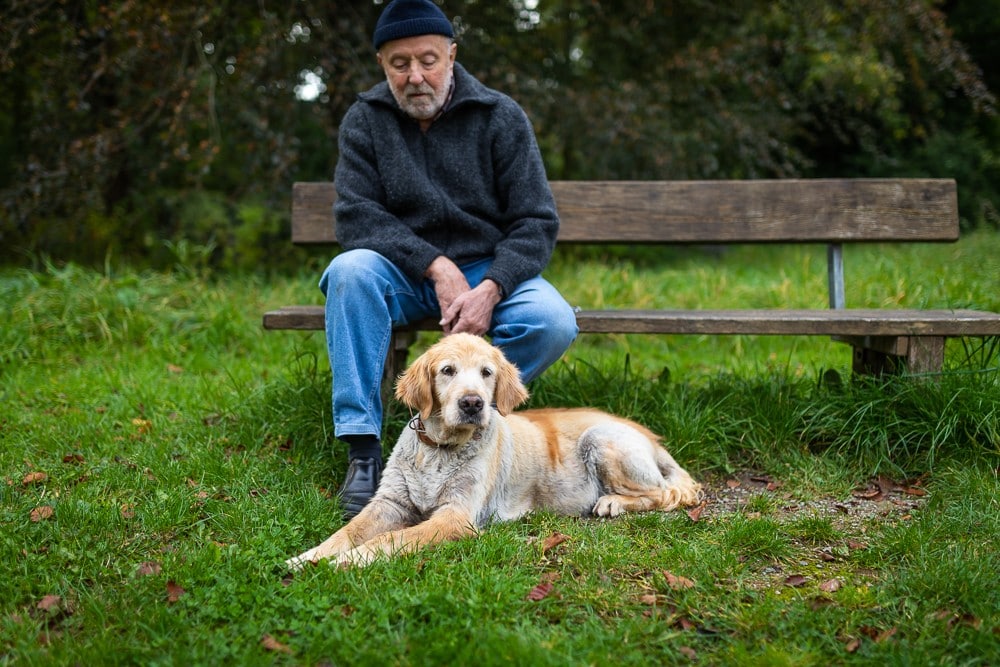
pixel 473 186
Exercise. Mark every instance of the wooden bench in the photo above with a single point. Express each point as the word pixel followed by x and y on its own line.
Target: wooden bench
pixel 834 212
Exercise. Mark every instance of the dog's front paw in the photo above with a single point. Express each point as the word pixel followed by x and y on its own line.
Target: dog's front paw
pixel 298 562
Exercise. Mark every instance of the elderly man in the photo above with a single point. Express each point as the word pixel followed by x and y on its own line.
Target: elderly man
pixel 443 210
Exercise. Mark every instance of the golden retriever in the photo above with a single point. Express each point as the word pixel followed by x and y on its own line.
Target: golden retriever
pixel 467 460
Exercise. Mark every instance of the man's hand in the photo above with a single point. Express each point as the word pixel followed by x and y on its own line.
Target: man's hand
pixel 472 311
pixel 462 309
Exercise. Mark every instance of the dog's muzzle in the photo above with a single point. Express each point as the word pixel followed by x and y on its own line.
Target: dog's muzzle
pixel 471 405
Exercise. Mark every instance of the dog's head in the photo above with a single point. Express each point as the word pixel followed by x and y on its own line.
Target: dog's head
pixel 457 380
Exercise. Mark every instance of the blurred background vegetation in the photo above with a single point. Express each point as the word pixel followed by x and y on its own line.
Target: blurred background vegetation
pixel 158 132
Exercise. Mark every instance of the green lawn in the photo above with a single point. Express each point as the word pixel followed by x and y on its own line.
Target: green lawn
pixel 162 455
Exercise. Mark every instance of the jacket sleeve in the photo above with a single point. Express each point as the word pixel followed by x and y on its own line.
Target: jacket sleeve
pixel 531 221
pixel 363 220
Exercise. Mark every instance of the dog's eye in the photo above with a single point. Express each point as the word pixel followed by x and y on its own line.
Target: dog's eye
pixel 487 372
pixel 448 370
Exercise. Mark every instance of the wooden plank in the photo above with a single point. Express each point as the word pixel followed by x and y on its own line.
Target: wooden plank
pixel 769 211
pixel 841 322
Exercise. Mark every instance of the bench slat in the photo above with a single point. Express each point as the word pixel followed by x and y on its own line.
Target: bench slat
pixel 846 322
pixel 768 211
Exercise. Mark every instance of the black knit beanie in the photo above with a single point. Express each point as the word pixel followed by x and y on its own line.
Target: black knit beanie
pixel 408 18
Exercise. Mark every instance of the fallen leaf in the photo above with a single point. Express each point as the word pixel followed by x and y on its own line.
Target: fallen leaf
pixel 128 511
pixel 41 513
pixel 50 604
pixel 914 491
pixel 688 653
pixel 795 581
pixel 73 458
pixel 174 592
pixel 174 369
pixel 677 583
pixel 687 624
pixel 885 634
pixel 143 426
pixel 271 644
pixel 733 483
pixel 552 541
pixel 695 514
pixel 34 478
pixel 540 592
pixel 648 599
pixel 868 493
pixel 969 620
pixel 854 544
pixel 852 646
pixel 148 568
pixel 830 586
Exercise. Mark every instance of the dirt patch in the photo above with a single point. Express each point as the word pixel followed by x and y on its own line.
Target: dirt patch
pixel 880 501
pixel 881 498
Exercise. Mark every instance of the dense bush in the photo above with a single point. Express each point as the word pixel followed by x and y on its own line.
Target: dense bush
pixel 127 128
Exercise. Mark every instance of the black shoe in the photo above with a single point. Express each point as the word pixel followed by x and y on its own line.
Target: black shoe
pixel 360 484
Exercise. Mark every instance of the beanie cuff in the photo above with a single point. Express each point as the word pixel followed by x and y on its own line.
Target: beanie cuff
pixel 411 27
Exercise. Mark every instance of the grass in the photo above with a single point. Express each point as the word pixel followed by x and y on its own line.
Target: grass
pixel 182 454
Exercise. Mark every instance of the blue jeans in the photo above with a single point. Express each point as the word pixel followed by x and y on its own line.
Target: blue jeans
pixel 367 295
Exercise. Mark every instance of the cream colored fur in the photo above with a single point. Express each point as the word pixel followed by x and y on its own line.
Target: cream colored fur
pixel 476 463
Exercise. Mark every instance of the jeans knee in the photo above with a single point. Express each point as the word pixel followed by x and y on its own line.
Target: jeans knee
pixel 348 269
pixel 561 328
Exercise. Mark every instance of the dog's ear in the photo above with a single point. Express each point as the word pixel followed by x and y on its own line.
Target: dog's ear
pixel 510 391
pixel 415 387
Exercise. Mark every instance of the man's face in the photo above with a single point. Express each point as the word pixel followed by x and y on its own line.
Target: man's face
pixel 419 71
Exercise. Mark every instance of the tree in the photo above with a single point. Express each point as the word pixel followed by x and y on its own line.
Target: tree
pixel 118 118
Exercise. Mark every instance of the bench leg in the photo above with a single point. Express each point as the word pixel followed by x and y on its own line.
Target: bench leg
pixel 395 362
pixel 891 355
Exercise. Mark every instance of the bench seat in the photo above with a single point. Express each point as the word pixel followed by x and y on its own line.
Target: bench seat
pixel 802 322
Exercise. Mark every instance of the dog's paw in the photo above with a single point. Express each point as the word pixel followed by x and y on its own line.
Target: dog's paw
pixel 608 506
pixel 297 563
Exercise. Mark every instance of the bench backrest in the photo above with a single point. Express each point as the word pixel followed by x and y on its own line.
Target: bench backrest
pixel 765 211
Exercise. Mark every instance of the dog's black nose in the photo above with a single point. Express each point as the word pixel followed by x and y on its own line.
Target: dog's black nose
pixel 471 404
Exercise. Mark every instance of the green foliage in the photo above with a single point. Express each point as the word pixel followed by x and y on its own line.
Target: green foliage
pixel 110 109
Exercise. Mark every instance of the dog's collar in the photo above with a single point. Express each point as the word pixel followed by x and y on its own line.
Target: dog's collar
pixel 417 425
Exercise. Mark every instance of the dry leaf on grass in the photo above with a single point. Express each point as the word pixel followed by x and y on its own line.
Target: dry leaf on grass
pixel 50 604
pixel 148 568
pixel 174 592
pixel 41 513
pixel 552 541
pixel 34 478
pixel 143 426
pixel 830 586
pixel 677 583
pixel 540 592
pixel 271 644
pixel 695 514
pixel 795 581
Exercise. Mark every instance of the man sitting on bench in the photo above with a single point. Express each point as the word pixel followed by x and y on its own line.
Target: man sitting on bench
pixel 443 210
